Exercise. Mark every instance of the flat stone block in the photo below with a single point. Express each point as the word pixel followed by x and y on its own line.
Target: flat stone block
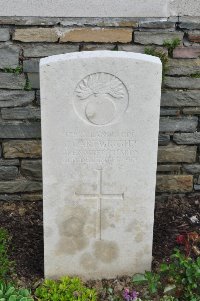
pixel 24 113
pixel 94 47
pixel 34 80
pixel 172 168
pixel 157 24
pixel 183 67
pixel 12 81
pixel 179 124
pixel 35 35
pixel 157 38
pixel 190 23
pixel 163 139
pixel 186 52
pixel 140 48
pixel 20 130
pixel 8 173
pixel 187 138
pixel 175 154
pixel 31 65
pixel 15 98
pixel 9 56
pixel 169 112
pixel 4 34
pixel 182 83
pixel 31 197
pixel 22 149
pixel 10 197
pixel 196 187
pixel 32 169
pixel 100 22
pixel 191 111
pixel 174 183
pixel 105 35
pixel 171 98
pixel 42 50
pixel 19 186
pixel 194 36
pixel 28 21
pixel 12 162
pixel 192 168
pixel 100 190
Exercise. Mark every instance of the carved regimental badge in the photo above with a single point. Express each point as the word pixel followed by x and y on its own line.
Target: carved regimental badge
pixel 100 98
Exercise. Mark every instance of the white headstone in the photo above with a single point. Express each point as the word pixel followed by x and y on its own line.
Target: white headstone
pixel 100 123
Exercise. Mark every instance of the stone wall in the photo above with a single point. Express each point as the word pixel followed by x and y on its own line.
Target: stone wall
pixel 24 40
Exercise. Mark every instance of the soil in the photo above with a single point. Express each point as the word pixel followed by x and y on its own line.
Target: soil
pixel 23 220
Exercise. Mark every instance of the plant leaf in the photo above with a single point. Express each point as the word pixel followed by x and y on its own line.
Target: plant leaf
pixel 139 278
pixel 169 288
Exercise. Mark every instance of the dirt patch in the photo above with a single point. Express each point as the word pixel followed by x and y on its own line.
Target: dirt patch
pixel 23 220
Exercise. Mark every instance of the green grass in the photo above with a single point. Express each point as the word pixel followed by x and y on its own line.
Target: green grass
pixel 162 56
pixel 5 263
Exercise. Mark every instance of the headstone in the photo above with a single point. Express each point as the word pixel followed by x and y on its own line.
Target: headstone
pixel 100 123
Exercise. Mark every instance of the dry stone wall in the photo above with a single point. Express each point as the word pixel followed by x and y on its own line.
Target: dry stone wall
pixel 24 40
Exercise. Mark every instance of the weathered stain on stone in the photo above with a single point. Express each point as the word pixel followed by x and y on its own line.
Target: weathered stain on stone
pixel 88 262
pixel 71 225
pixel 130 227
pixel 139 236
pixel 106 218
pixel 106 251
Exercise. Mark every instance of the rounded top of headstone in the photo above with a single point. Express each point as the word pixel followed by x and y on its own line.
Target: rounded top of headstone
pixel 99 54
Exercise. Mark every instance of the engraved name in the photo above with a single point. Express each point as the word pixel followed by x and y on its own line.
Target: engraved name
pixel 100 147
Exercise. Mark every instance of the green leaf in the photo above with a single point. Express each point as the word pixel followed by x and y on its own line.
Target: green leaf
pixel 12 298
pixel 169 288
pixel 10 291
pixel 139 278
pixel 24 292
pixel 164 267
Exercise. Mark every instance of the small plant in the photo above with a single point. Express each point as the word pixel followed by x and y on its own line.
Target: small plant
pixel 184 274
pixel 17 70
pixel 112 296
pixel 171 45
pixel 189 241
pixel 27 86
pixel 152 279
pixel 131 295
pixel 162 56
pixel 9 293
pixel 195 75
pixel 168 298
pixel 5 263
pixel 179 276
pixel 67 289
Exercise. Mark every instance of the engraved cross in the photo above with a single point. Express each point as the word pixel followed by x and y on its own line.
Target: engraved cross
pixel 100 196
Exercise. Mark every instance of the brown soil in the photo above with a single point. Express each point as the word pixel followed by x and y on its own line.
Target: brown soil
pixel 24 223
pixel 23 220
